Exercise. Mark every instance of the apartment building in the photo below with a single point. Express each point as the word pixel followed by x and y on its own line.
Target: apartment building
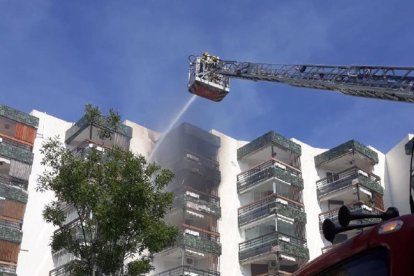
pixel 242 207
pixel 191 153
pixel 17 135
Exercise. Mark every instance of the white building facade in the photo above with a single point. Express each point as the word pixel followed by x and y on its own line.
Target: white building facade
pixel 261 217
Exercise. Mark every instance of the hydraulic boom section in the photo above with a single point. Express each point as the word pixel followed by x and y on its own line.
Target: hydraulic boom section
pixel 209 77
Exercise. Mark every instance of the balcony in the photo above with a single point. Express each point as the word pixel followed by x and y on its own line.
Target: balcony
pixel 268 140
pixel 200 202
pixel 59 271
pixel 13 193
pixel 355 208
pixel 19 116
pixel 267 170
pixel 187 270
pixel 347 179
pixel 271 205
pixel 263 247
pixel 340 156
pixel 16 182
pixel 80 132
pixel 201 166
pixel 17 153
pixel 199 239
pixel 7 269
pixel 10 233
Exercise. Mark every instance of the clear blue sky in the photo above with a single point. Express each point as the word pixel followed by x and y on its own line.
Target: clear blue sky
pixel 57 56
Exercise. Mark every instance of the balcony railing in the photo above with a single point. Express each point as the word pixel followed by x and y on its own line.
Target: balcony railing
pixel 267 170
pixel 345 179
pixel 355 208
pixel 13 193
pixel 17 153
pixel 350 146
pixel 199 239
pixel 264 245
pixel 273 204
pixel 187 271
pixel 268 139
pixel 201 202
pixel 83 123
pixel 19 116
pixel 10 234
pixel 58 271
pixel 16 182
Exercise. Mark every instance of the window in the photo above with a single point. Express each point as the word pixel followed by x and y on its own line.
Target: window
pixel 374 262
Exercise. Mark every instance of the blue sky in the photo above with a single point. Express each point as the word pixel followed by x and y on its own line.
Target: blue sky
pixel 56 56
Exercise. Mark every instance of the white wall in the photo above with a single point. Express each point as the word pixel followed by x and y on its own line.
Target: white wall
pixel 35 257
pixel 309 174
pixel 397 176
pixel 229 202
pixel 142 141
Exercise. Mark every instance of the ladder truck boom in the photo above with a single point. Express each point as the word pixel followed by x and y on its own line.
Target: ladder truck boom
pixel 209 77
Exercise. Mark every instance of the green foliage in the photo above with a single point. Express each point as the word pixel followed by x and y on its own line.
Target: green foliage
pixel 107 123
pixel 120 204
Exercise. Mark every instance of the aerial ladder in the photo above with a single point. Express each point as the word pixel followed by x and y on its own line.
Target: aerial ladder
pixel 209 77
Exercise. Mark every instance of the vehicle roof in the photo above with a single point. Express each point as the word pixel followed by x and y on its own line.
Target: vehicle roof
pixel 369 238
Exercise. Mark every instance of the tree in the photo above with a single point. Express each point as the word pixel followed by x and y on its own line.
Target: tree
pixel 119 202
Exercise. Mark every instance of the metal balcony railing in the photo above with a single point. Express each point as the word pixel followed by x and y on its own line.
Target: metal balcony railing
pixel 268 139
pixel 17 153
pixel 345 148
pixel 187 271
pixel 59 271
pixel 264 245
pixel 267 170
pixel 273 204
pixel 13 193
pixel 200 201
pixel 199 239
pixel 345 179
pixel 80 125
pixel 355 208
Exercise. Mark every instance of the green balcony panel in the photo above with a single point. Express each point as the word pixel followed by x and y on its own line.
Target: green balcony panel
pixel 345 148
pixel 19 116
pixel 7 273
pixel 17 153
pixel 288 211
pixel 10 234
pixel 264 245
pixel 268 139
pixel 346 179
pixel 211 207
pixel 13 193
pixel 268 206
pixel 268 173
pixel 372 184
pixel 294 249
pixel 201 243
pixel 83 123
